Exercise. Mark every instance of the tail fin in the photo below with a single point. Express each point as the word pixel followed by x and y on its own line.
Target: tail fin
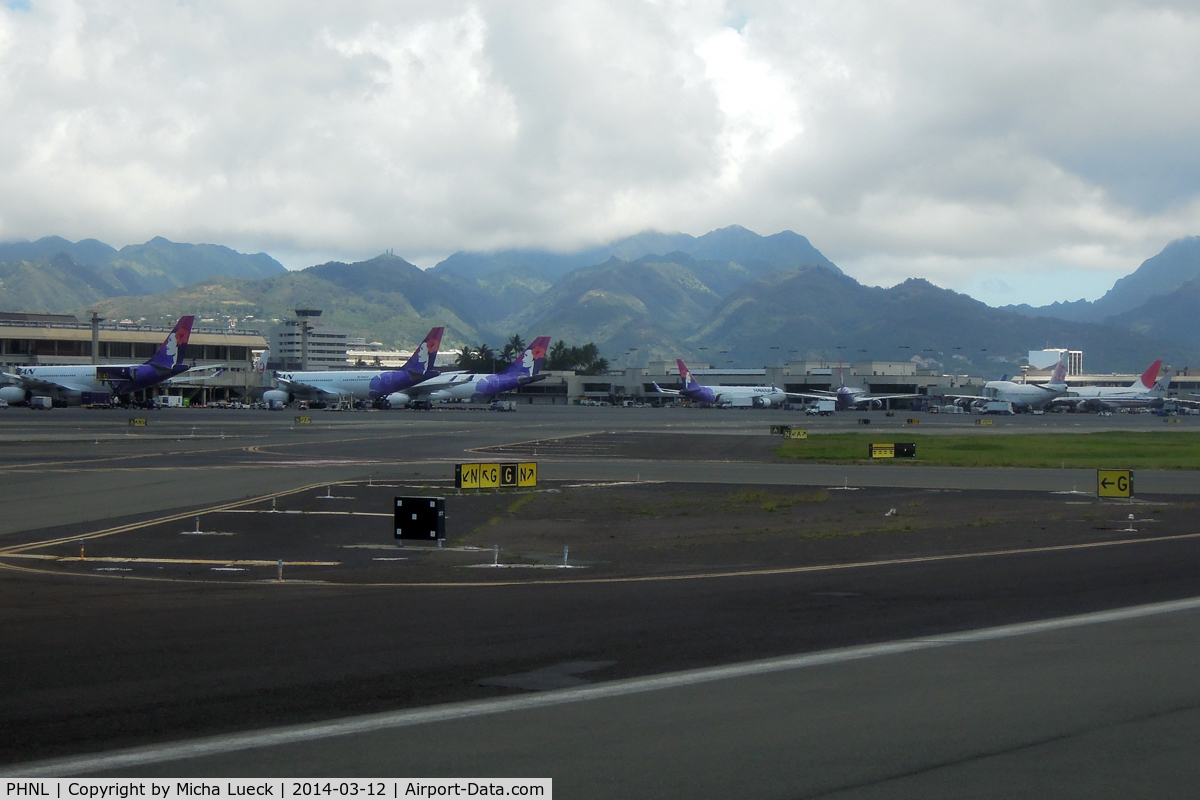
pixel 173 351
pixel 529 363
pixel 1149 377
pixel 1161 385
pixel 260 363
pixel 689 380
pixel 1059 378
pixel 423 358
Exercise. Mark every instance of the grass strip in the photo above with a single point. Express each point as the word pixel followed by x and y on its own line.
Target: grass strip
pixel 1110 449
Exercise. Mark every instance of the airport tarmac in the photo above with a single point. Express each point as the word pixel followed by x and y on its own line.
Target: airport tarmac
pixel 115 659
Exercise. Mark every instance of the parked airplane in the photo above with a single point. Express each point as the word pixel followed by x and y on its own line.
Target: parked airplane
pixel 1024 396
pixel 757 396
pixel 71 382
pixel 1148 390
pixel 847 398
pixel 464 385
pixel 390 384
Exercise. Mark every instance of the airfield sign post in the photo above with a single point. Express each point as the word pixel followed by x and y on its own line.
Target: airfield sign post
pixel 1116 483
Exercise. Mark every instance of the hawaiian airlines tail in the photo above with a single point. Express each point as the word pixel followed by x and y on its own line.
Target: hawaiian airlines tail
pixel 689 381
pixel 173 351
pixel 423 358
pixel 529 363
pixel 1149 378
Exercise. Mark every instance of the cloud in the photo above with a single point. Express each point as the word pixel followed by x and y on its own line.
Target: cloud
pixel 958 142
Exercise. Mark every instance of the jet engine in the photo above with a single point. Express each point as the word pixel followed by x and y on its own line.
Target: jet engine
pixel 762 402
pixel 13 394
pixel 276 396
pixel 397 400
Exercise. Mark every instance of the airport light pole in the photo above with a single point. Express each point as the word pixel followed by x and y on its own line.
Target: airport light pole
pixel 96 320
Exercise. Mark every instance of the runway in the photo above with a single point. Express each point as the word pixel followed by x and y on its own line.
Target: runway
pixel 95 663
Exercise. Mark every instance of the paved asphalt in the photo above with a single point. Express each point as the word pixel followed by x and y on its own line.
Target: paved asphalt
pixel 90 665
pixel 1082 710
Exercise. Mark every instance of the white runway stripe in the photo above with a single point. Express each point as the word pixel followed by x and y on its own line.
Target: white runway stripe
pixel 156 754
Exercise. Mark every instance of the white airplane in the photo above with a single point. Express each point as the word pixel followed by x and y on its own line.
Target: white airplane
pixel 848 398
pixel 465 385
pixel 1147 391
pixel 71 382
pixel 756 396
pixel 1024 396
pixel 376 384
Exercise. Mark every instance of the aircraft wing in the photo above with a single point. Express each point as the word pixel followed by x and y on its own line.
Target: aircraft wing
pixel 668 392
pixel 304 388
pixel 197 374
pixel 443 380
pixel 816 395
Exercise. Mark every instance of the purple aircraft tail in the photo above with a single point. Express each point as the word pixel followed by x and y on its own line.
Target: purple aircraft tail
pixel 425 355
pixel 690 384
pixel 172 352
pixel 529 363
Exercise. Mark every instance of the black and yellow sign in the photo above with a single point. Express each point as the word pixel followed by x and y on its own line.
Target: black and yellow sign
pixel 137 422
pixel 495 476
pixel 864 420
pixel 1171 419
pixel 985 422
pixel 795 433
pixel 466 476
pixel 1114 483
pixel 527 474
pixel 894 450
pixel 303 420
pixel 508 476
pixel 914 421
pixel 780 430
pixel 883 450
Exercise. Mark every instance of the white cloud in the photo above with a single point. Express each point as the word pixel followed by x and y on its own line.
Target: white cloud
pixel 970 144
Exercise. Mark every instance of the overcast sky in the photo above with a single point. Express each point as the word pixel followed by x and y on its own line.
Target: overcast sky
pixel 1015 151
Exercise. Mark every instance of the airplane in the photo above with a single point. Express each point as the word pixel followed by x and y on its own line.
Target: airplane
pixel 390 385
pixel 757 396
pixel 1025 396
pixel 71 382
pixel 1147 391
pixel 463 386
pixel 847 398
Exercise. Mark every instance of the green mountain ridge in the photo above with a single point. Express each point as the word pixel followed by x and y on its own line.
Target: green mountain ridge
pixel 745 310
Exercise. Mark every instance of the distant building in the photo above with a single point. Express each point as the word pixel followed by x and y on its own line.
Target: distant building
pixel 306 343
pixel 1046 360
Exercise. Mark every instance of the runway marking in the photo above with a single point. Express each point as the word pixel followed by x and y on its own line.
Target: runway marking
pixel 748 573
pixel 374 723
pixel 133 526
pixel 315 513
pixel 250 562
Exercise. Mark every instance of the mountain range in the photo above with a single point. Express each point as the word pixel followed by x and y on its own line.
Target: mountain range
pixel 55 275
pixel 729 298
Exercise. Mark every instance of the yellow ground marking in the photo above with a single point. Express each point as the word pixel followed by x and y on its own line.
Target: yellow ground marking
pixel 490 450
pixel 133 526
pixel 202 451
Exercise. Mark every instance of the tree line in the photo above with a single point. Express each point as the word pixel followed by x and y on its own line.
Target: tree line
pixel 583 359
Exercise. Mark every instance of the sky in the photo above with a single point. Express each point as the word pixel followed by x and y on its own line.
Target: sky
pixel 1016 151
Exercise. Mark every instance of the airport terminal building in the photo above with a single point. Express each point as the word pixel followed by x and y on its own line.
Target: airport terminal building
pixel 39 339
